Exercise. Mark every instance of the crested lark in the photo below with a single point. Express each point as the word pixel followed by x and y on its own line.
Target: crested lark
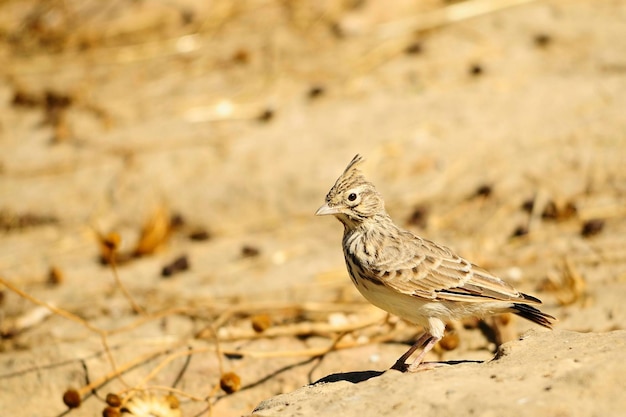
pixel 411 277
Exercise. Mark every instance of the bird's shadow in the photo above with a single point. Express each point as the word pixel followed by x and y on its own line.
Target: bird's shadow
pixel 353 377
pixel 361 376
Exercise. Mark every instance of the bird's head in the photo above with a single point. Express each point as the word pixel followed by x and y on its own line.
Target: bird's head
pixel 352 199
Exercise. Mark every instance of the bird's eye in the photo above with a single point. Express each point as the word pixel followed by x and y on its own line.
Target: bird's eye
pixel 352 197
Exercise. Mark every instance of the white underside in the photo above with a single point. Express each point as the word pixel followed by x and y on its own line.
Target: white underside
pixel 432 315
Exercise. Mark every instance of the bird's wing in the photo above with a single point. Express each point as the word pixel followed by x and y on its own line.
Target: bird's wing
pixel 424 269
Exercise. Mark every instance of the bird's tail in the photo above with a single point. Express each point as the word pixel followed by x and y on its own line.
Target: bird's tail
pixel 533 314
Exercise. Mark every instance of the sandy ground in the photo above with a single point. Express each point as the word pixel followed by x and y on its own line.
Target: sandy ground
pixel 535 375
pixel 212 132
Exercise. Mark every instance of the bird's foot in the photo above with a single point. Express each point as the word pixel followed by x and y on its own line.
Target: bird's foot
pixel 417 367
pixel 400 366
pixel 426 341
pixel 425 366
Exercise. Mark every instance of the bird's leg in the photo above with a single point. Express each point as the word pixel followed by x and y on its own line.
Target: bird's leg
pixel 417 363
pixel 424 340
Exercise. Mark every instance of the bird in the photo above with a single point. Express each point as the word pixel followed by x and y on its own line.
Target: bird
pixel 420 281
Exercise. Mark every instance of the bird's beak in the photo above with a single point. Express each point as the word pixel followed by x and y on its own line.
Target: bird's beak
pixel 325 210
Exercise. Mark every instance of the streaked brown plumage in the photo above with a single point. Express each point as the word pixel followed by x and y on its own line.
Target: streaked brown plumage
pixel 411 277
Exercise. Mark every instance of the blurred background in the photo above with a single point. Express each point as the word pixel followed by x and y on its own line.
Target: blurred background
pixel 185 145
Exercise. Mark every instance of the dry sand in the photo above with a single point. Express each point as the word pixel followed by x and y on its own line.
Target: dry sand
pixel 548 374
pixel 236 119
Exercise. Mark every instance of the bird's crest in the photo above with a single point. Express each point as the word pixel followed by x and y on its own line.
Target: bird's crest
pixel 352 166
pixel 351 177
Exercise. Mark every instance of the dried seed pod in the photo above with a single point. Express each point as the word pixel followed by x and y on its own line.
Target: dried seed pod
pixel 111 412
pixel 109 246
pixel 55 276
pixel 261 322
pixel 230 382
pixel 111 241
pixel 450 341
pixel 71 398
pixel 173 401
pixel 155 232
pixel 113 400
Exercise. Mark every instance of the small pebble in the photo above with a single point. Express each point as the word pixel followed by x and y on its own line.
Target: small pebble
pixel 542 40
pixel 528 205
pixel 520 231
pixel 484 190
pixel 248 251
pixel 178 265
pixel 414 48
pixel 266 115
pixel 592 227
pixel 419 217
pixel 199 235
pixel 316 92
pixel 476 70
